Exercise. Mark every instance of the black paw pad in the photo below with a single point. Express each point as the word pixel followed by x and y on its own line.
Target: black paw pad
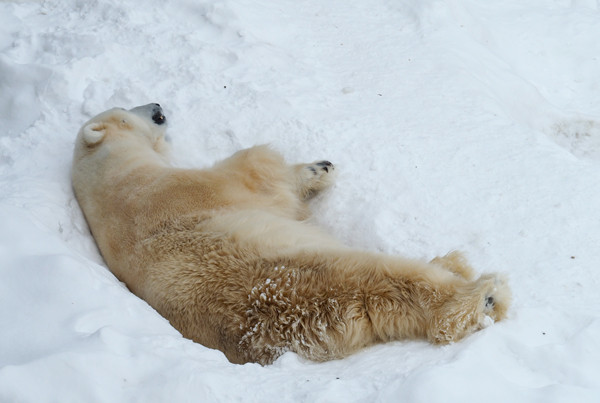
pixel 489 302
pixel 325 165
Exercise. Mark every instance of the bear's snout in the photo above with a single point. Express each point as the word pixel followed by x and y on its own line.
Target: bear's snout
pixel 157 115
pixel 153 111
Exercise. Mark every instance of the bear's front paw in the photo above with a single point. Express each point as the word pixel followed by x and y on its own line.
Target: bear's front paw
pixel 312 178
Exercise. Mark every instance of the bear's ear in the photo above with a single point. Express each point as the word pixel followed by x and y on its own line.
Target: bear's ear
pixel 93 133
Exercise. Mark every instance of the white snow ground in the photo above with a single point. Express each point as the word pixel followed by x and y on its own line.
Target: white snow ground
pixel 455 124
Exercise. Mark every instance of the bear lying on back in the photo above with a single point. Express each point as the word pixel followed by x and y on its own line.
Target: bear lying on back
pixel 226 256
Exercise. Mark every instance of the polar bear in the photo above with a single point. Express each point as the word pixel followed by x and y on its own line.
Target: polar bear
pixel 227 256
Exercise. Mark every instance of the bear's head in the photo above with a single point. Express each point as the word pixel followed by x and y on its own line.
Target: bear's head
pixel 140 127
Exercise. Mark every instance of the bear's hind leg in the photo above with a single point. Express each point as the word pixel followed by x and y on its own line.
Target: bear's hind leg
pixel 469 307
pixel 456 263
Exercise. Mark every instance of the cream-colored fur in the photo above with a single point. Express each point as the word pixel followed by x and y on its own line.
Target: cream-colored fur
pixel 226 256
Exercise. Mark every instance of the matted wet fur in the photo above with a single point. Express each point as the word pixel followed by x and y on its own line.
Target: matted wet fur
pixel 226 256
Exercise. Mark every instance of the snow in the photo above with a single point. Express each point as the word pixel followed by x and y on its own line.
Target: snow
pixel 454 124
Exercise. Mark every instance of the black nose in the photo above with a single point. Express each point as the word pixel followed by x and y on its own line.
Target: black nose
pixel 157 115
